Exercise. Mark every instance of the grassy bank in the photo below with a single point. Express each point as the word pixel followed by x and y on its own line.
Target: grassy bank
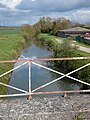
pixel 63 48
pixel 48 40
pixel 11 43
pixel 51 41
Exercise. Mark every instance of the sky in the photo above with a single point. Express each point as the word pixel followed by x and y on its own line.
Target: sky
pixel 18 12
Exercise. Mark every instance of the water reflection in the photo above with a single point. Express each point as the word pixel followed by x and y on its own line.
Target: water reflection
pixel 39 75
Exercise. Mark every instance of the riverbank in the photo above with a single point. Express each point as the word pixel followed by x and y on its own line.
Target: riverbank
pixel 11 44
pixel 65 49
pixel 54 41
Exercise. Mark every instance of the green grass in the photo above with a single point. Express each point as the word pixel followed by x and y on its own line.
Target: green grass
pixel 81 53
pixel 9 31
pixel 11 44
pixel 47 36
pixel 48 40
pixel 82 44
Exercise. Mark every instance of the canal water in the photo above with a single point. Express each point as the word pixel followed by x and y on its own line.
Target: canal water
pixel 39 76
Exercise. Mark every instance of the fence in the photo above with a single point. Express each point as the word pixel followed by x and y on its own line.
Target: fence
pixel 31 92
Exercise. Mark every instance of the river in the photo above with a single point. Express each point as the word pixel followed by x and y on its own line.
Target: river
pixel 39 76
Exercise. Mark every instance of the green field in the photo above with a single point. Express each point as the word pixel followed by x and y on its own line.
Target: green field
pixel 11 44
pixel 9 31
pixel 10 41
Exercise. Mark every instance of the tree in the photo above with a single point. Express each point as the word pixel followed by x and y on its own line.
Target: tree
pixel 28 31
pixel 49 25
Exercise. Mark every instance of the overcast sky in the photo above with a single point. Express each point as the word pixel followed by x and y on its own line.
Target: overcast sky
pixel 18 12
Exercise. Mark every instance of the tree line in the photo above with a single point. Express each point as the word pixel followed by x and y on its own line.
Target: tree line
pixel 48 25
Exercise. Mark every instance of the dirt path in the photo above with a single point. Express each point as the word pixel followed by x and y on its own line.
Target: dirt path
pixel 83 49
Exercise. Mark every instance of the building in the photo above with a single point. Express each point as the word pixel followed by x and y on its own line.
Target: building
pixel 72 32
pixel 84 38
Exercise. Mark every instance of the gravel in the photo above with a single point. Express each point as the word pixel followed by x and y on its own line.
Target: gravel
pixel 46 108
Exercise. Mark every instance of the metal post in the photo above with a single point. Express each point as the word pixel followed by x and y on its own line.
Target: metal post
pixel 29 97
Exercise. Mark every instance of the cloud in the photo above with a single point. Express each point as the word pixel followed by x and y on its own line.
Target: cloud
pixel 1 5
pixel 10 3
pixel 17 12
pixel 33 0
pixel 81 16
pixel 10 17
pixel 52 5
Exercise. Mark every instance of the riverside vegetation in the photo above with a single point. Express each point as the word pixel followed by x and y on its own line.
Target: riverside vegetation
pixel 11 44
pixel 65 49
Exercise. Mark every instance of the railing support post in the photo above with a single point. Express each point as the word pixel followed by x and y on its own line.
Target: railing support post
pixel 29 97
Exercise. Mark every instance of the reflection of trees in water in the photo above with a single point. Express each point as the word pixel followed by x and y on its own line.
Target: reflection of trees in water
pixel 67 84
pixel 38 43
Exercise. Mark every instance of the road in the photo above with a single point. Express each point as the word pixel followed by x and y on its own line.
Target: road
pixel 84 49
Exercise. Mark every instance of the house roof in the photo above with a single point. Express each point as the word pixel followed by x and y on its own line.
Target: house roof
pixel 75 29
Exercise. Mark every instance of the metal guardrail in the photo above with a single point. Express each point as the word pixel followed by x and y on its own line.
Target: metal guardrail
pixel 31 92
